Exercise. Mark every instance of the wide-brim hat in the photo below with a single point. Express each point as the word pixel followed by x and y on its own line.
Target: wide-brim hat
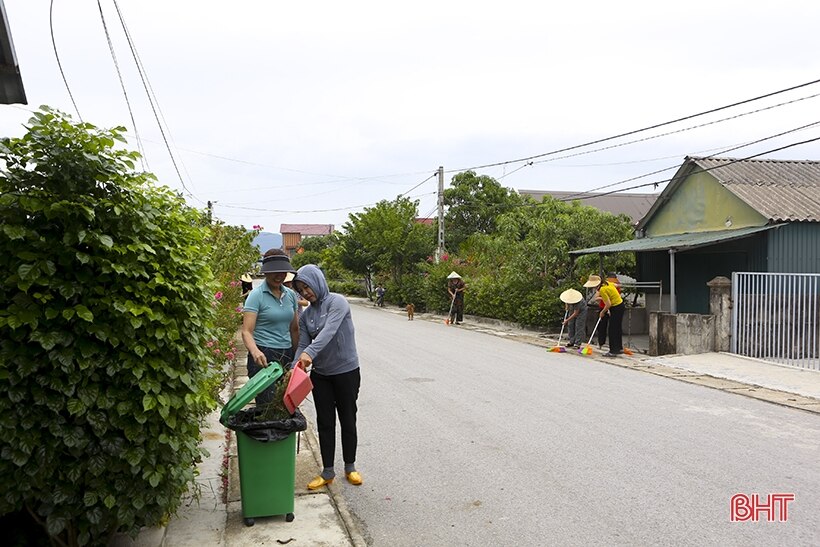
pixel 289 277
pixel 246 278
pixel 571 296
pixel 593 281
pixel 276 264
pixel 453 275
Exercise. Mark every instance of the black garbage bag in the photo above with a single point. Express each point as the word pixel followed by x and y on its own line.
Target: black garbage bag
pixel 265 431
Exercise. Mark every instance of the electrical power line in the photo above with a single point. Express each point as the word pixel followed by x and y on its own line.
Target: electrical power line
pixel 724 151
pixel 730 162
pixel 419 184
pixel 57 56
pixel 122 85
pixel 698 126
pixel 635 131
pixel 152 102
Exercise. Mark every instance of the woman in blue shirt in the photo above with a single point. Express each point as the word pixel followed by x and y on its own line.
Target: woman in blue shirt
pixel 270 324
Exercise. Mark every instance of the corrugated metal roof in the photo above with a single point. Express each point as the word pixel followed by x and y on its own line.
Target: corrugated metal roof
pixel 633 205
pixel 780 190
pixel 306 229
pixel 678 242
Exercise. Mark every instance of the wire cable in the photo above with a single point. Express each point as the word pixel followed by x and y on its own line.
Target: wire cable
pixel 122 85
pixel 679 130
pixel 419 184
pixel 57 56
pixel 151 102
pixel 730 162
pixel 641 130
pixel 528 164
pixel 724 151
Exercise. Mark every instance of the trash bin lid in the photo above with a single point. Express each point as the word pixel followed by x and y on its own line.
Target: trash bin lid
pixel 260 381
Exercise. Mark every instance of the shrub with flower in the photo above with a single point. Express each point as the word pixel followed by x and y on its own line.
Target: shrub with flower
pixel 232 254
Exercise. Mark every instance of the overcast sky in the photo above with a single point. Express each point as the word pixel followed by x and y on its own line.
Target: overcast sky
pixel 303 112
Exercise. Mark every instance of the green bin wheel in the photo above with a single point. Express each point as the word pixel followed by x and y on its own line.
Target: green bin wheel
pixel 249 522
pixel 289 517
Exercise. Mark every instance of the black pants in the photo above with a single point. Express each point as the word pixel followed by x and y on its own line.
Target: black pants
pixel 616 319
pixel 457 315
pixel 332 395
pixel 282 356
pixel 602 328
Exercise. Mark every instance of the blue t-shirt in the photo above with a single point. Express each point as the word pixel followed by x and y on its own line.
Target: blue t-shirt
pixel 273 316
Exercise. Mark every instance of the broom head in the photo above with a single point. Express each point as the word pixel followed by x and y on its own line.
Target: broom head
pixel 558 349
pixel 587 350
pixel 629 351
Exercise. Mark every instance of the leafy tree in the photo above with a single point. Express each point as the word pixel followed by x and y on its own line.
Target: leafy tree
pixel 474 203
pixel 386 238
pixel 107 309
pixel 323 251
pixel 231 251
pixel 318 243
pixel 528 261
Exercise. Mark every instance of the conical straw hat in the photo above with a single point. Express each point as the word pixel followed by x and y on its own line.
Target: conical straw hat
pixel 571 296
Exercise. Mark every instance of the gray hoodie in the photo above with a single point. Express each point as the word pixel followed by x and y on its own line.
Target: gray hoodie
pixel 326 327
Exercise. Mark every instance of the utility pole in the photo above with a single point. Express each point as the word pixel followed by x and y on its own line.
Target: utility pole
pixel 440 248
pixel 210 211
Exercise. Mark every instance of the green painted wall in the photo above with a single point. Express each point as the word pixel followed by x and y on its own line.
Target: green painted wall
pixel 696 267
pixel 795 248
pixel 701 204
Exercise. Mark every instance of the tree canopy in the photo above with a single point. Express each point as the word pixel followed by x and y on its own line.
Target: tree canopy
pixel 474 202
pixel 386 238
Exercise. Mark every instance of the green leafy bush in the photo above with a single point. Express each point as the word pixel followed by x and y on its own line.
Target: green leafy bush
pixel 351 288
pixel 107 309
pixel 231 254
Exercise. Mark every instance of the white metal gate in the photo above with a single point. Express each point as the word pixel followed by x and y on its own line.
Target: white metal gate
pixel 775 317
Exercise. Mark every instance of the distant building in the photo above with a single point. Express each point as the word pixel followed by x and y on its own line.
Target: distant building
pixel 635 206
pixel 425 220
pixel 724 215
pixel 293 234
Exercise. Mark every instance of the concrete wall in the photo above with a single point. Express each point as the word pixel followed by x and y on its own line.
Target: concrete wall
pixel 681 333
pixel 720 306
pixel 689 333
pixel 636 321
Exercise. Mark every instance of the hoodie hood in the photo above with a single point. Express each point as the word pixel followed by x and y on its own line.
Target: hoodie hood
pixel 313 277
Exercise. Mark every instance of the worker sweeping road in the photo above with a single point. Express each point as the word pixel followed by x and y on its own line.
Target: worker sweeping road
pixel 576 316
pixel 614 306
pixel 456 287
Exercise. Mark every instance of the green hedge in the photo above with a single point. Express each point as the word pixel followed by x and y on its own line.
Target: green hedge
pixel 107 309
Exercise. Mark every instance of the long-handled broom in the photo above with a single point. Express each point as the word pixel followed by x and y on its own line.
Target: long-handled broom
pixel 450 313
pixel 588 349
pixel 628 351
pixel 559 348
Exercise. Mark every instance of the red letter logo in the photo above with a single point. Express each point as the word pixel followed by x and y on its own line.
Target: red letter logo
pixel 775 508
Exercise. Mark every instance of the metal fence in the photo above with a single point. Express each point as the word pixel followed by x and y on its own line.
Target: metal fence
pixel 775 317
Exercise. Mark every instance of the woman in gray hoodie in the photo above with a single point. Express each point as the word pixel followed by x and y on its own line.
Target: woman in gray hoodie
pixel 327 348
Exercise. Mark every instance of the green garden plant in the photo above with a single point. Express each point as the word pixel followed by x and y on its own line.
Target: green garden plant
pixel 231 253
pixel 107 309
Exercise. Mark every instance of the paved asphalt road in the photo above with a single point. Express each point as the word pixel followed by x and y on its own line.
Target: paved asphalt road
pixel 471 439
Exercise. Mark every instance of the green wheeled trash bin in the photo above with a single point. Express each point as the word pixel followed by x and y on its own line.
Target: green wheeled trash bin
pixel 266 451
